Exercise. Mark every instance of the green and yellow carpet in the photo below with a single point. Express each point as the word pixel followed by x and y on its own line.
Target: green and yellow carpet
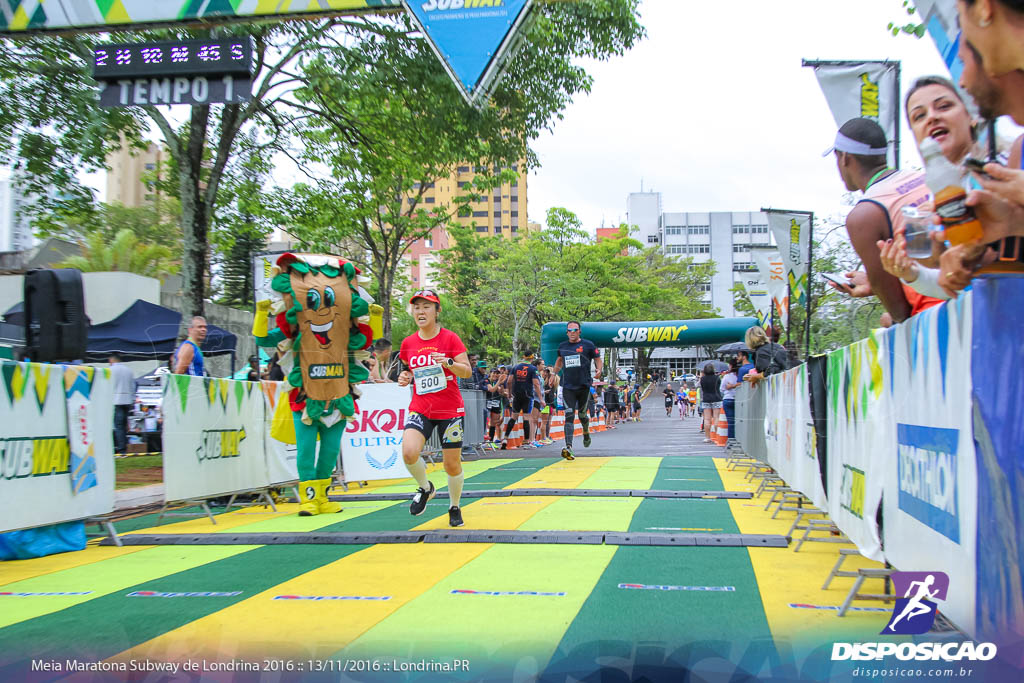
pixel 552 610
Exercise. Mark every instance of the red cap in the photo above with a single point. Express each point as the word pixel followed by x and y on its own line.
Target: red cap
pixel 427 295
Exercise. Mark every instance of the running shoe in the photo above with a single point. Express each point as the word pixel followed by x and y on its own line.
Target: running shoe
pixel 586 440
pixel 567 454
pixel 504 445
pixel 419 501
pixel 536 444
pixel 455 516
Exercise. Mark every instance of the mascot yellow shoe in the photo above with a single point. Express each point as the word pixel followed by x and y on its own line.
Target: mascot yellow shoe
pixel 324 505
pixel 308 491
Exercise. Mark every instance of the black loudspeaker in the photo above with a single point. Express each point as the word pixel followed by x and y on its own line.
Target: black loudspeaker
pixel 56 328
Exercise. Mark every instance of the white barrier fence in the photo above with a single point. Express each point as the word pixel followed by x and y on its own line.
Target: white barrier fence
pixel 900 447
pixel 56 444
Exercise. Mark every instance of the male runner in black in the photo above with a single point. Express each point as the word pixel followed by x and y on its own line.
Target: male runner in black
pixel 525 390
pixel 574 357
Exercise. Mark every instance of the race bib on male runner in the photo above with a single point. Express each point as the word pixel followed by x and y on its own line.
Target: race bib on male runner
pixel 429 379
pixel 572 361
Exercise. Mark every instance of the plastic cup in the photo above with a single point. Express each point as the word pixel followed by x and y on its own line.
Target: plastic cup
pixel 918 232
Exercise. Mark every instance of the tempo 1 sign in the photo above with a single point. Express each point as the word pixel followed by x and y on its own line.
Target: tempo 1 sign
pixel 174 72
pixel 179 90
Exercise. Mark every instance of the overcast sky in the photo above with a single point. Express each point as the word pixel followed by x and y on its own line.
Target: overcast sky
pixel 714 111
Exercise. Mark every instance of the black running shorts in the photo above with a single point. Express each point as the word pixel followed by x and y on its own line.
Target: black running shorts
pixel 522 404
pixel 450 430
pixel 576 399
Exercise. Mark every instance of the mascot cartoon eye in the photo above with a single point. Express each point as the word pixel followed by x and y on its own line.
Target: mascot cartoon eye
pixel 328 297
pixel 313 300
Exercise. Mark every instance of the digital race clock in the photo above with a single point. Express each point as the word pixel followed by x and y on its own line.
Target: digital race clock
pixel 171 58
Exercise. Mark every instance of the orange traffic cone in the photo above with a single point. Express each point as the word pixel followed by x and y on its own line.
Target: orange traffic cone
pixel 723 429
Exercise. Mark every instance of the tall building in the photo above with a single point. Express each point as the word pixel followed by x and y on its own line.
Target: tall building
pixel 502 211
pixel 15 222
pixel 723 237
pixel 131 174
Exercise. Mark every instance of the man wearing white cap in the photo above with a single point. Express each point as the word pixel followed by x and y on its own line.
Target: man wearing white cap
pixel 860 150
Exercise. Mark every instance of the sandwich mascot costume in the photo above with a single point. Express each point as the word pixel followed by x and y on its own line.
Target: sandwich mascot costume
pixel 318 323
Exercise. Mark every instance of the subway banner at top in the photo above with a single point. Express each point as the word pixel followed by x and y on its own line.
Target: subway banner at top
pixel 37 15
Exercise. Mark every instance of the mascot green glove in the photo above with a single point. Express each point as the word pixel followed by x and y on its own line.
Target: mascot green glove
pixel 320 322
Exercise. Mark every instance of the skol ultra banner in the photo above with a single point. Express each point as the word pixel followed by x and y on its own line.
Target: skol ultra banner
pixel 372 446
pixel 772 269
pixel 789 434
pixel 212 436
pixel 860 439
pixel 37 15
pixel 45 476
pixel 931 479
pixel 792 233
pixel 862 89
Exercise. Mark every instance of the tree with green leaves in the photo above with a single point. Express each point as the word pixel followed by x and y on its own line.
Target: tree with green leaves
pixel 125 253
pixel 52 128
pixel 395 125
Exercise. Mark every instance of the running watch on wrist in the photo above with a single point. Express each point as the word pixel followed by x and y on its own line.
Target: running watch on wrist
pixel 449 362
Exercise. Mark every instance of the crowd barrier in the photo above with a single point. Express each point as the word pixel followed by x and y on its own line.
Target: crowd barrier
pixel 56 444
pixel 893 429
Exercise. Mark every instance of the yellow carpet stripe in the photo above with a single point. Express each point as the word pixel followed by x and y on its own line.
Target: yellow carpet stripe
pixel 321 628
pixel 785 576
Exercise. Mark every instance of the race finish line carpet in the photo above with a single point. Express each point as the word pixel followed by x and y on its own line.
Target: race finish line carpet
pixel 552 610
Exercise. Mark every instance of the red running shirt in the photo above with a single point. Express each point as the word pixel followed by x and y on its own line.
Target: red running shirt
pixel 415 352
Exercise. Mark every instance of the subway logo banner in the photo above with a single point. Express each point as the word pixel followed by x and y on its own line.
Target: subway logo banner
pixel 860 434
pixel 862 90
pixel 56 444
pixel 792 233
pixel 789 436
pixel 214 429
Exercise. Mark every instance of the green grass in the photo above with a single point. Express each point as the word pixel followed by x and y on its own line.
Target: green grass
pixel 138 471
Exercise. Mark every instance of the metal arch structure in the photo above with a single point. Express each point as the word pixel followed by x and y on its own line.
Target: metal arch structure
pixel 22 17
pixel 673 333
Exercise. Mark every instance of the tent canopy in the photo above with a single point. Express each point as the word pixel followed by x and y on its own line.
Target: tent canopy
pixel 146 331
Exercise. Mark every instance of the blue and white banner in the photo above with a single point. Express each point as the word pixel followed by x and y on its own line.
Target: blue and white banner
pixel 790 438
pixel 372 446
pixel 931 489
pixel 998 318
pixel 472 37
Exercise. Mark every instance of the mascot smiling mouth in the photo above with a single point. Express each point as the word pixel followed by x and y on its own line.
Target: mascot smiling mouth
pixel 320 332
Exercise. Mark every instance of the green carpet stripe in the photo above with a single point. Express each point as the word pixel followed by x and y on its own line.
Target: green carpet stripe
pixel 103 578
pixel 521 631
pixel 101 628
pixel 95 609
pixel 669 618
pixel 598 514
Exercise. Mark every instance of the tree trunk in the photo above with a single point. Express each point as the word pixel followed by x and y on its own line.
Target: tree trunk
pixel 194 213
pixel 384 299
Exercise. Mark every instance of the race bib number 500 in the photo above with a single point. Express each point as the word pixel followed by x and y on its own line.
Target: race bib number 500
pixel 429 379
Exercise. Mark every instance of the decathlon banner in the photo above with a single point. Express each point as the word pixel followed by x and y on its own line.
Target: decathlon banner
pixel 372 446
pixel 931 485
pixel 772 269
pixel 212 437
pixel 789 434
pixel 860 439
pixel 862 89
pixel 792 233
pixel 44 477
